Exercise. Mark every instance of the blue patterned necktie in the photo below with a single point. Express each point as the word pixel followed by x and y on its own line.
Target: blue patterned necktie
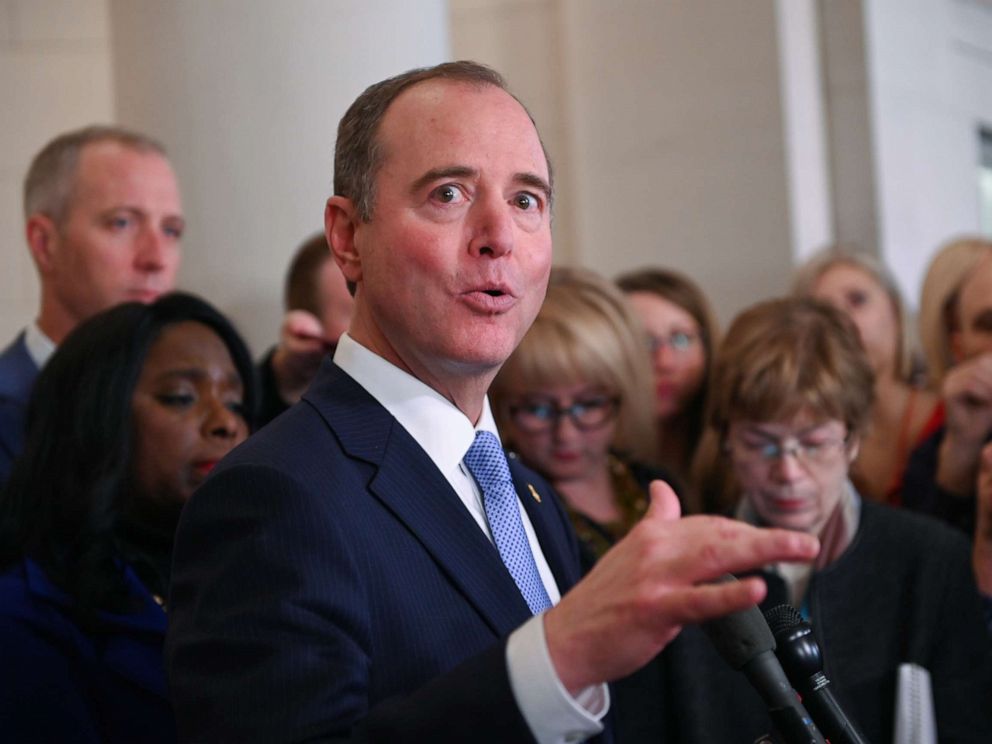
pixel 486 461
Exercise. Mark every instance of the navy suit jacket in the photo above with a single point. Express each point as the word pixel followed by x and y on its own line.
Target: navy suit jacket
pixel 329 583
pixel 17 375
pixel 61 683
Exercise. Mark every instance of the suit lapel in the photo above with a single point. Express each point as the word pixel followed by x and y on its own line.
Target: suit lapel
pixel 409 484
pixel 546 516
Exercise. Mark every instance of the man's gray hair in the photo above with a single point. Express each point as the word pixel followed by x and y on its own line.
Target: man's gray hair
pixel 50 180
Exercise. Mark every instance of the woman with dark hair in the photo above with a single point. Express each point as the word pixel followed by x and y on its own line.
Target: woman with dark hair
pixel 682 333
pixel 127 418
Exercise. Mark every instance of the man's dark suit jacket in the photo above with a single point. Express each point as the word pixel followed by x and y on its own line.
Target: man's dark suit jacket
pixel 17 375
pixel 328 582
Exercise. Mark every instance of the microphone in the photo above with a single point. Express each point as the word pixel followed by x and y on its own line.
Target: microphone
pixel 746 643
pixel 802 660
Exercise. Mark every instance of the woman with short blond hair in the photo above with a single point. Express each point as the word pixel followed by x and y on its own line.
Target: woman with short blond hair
pixel 574 402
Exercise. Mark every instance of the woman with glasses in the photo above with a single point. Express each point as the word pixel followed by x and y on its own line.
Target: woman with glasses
pixel 891 593
pixel 681 332
pixel 574 402
pixel 904 413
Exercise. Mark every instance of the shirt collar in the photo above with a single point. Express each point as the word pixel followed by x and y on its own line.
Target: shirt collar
pixel 437 425
pixel 40 347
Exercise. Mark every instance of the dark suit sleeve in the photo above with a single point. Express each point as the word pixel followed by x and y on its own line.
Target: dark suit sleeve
pixel 270 639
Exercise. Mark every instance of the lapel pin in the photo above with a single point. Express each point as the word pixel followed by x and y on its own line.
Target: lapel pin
pixel 534 493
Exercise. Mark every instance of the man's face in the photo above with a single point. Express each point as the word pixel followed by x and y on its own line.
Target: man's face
pixel 975 313
pixel 119 240
pixel 454 264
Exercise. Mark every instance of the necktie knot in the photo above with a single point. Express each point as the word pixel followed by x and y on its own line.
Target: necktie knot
pixel 487 463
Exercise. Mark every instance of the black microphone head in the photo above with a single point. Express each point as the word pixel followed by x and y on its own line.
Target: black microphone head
pixel 797 648
pixel 740 636
pixel 782 618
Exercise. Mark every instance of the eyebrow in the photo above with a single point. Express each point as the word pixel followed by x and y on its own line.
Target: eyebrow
pixel 141 212
pixel 463 171
pixel 756 430
pixel 437 174
pixel 197 373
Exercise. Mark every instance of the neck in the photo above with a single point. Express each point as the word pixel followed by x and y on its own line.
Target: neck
pixel 891 393
pixel 673 447
pixel 146 540
pixel 54 320
pixel 462 384
pixel 591 495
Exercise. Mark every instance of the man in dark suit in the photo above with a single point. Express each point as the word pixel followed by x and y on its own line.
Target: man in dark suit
pixel 368 567
pixel 103 223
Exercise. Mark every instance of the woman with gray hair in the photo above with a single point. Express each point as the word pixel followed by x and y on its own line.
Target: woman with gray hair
pixel 891 595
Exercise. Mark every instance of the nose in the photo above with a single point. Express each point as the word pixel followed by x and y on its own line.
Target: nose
pixel 665 357
pixel 492 228
pixel 787 467
pixel 564 428
pixel 152 251
pixel 221 422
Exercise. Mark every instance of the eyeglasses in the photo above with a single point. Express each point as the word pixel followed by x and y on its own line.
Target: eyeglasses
pixel 679 342
pixel 807 452
pixel 543 415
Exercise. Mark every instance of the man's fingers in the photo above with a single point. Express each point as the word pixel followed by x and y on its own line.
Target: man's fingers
pixel 713 546
pixel 302 323
pixel 707 601
pixel 664 503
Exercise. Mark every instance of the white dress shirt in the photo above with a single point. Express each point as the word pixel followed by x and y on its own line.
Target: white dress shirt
pixel 40 347
pixel 446 434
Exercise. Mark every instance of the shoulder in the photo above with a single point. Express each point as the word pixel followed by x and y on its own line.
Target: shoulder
pixel 908 532
pixel 17 371
pixel 32 608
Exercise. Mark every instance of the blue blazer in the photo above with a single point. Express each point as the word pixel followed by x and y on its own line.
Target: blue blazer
pixel 328 582
pixel 59 683
pixel 17 375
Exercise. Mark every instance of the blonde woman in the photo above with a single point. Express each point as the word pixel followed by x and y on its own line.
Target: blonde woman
pixel 904 412
pixel 574 403
pixel 956 330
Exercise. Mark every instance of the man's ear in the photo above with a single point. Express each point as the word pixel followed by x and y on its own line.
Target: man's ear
pixel 43 237
pixel 340 221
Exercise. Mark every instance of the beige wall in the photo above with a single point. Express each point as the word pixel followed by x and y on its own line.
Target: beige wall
pixel 55 74
pixel 671 139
